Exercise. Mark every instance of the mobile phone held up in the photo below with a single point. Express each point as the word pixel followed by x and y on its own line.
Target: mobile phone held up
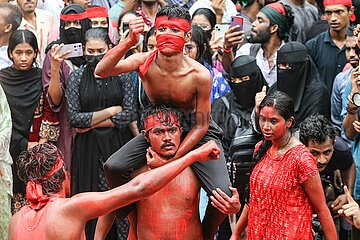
pixel 220 30
pixel 237 20
pixel 76 50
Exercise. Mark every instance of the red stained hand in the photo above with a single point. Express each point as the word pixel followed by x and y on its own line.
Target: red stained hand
pixel 208 151
pixel 154 160
pixel 224 203
pixel 136 27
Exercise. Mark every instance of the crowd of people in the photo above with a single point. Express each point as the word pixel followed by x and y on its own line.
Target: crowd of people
pixel 140 120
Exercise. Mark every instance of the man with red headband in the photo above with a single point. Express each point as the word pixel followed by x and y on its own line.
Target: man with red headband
pixel 328 49
pixel 52 216
pixel 169 77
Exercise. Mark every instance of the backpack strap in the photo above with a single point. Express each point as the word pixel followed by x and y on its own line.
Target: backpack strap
pixel 233 115
pixel 254 48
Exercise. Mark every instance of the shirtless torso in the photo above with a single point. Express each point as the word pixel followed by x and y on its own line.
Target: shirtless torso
pixel 172 212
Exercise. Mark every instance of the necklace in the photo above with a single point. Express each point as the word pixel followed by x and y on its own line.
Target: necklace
pixel 280 150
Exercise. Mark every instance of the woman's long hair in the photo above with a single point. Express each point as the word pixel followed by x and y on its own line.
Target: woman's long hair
pixel 22 36
pixel 203 48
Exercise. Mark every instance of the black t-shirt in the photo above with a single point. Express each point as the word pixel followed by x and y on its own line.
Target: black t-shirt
pixel 342 159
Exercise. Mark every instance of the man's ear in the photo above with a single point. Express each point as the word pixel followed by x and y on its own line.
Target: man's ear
pixel 8 28
pixel 181 129
pixel 351 10
pixel 68 2
pixel 143 132
pixel 274 28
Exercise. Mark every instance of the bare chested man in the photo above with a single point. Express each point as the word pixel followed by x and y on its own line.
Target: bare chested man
pixel 169 77
pixel 52 216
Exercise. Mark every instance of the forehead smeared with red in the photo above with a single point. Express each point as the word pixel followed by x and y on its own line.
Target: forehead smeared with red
pixel 160 118
pixel 177 23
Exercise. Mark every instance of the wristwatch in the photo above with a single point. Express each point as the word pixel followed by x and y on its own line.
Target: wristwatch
pixel 356 99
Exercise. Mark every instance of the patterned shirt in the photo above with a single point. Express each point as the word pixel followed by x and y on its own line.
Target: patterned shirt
pixel 279 206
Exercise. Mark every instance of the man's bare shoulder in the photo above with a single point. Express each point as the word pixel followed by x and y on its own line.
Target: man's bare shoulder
pixel 138 57
pixel 201 72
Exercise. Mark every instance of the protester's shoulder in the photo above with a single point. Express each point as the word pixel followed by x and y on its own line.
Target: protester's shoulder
pixel 340 145
pixel 316 40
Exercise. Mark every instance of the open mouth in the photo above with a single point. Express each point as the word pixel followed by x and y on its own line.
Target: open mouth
pixel 168 146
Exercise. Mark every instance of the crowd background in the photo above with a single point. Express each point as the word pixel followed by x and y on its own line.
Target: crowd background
pixel 306 49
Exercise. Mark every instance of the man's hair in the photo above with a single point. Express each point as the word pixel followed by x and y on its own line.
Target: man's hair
pixel 161 108
pixel 350 31
pixel 317 129
pixel 289 15
pixel 36 162
pixel 13 17
pixel 174 11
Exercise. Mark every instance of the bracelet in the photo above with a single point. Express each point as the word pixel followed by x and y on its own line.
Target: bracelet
pixel 350 100
pixel 226 50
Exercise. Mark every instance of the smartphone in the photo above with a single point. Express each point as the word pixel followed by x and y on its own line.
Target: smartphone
pixel 237 20
pixel 220 30
pixel 125 27
pixel 76 50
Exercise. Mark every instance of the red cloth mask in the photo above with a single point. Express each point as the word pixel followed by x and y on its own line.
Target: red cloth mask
pixel 34 191
pixel 171 41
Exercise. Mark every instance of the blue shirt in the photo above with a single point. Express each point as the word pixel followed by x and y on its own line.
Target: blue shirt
pixel 354 144
pixel 329 59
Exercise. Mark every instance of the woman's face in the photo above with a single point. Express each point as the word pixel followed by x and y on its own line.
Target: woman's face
pixel 272 124
pixel 191 50
pixel 23 56
pixel 151 44
pixel 201 21
pixel 96 47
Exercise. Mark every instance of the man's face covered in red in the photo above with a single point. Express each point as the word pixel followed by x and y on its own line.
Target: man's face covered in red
pixel 170 33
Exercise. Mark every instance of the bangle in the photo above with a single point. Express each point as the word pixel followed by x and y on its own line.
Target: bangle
pixel 350 100
pixel 226 50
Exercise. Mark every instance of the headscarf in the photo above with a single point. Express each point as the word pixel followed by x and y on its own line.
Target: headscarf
pixel 74 12
pixel 245 91
pixel 302 81
pixel 277 15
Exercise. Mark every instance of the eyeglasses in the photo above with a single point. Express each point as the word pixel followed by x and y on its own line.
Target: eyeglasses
pixel 203 26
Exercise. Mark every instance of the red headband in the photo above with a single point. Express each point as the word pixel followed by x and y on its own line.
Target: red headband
pixel 73 17
pixel 277 6
pixel 336 2
pixel 97 12
pixel 160 118
pixel 178 23
pixel 34 191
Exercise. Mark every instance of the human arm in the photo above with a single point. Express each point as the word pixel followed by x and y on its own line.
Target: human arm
pixel 351 121
pixel 103 226
pixel 348 176
pixel 314 191
pixel 78 118
pixel 202 114
pixel 241 223
pixel 219 8
pixel 225 204
pixel 91 205
pixel 232 37
pixel 351 210
pixel 112 64
pixel 55 89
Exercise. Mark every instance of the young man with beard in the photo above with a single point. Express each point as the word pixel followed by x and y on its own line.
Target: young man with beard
pixel 331 153
pixel 37 21
pixel 328 49
pixel 169 77
pixel 270 31
pixel 50 215
pixel 232 113
pixel 352 52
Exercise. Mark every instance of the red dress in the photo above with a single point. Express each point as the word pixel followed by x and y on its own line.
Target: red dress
pixel 279 206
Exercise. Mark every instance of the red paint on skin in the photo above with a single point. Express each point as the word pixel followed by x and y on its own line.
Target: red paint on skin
pixel 165 140
pixel 273 126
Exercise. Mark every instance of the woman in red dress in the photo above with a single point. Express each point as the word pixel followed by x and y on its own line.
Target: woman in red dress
pixel 285 186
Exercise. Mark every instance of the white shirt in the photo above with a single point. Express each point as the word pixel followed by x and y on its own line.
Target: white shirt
pixel 4 59
pixel 52 6
pixel 230 9
pixel 44 24
pixel 270 74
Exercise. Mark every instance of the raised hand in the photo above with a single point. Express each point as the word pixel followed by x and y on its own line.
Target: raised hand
pixel 136 27
pixel 232 37
pixel 258 98
pixel 350 210
pixel 224 203
pixel 57 57
pixel 208 151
